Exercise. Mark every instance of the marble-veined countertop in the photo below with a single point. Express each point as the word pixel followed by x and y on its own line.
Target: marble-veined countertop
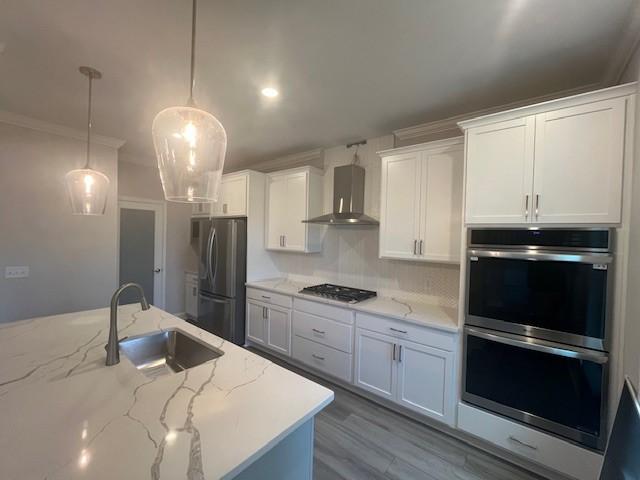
pixel 65 415
pixel 398 307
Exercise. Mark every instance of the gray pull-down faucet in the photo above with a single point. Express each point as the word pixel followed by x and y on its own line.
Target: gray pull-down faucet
pixel 113 350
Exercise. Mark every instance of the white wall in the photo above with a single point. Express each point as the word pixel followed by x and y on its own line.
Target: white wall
pixel 631 354
pixel 350 254
pixel 140 181
pixel 72 259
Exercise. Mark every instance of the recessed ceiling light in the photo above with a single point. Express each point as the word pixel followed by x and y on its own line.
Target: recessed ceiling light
pixel 269 92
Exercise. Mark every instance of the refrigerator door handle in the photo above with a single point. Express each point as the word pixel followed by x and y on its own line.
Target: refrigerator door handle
pixel 213 264
pixel 207 298
pixel 208 255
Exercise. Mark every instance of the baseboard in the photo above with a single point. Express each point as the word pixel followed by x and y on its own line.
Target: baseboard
pixel 478 443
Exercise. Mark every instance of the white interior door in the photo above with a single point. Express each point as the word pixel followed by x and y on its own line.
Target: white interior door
pixel 142 248
pixel 401 205
pixel 500 172
pixel 578 163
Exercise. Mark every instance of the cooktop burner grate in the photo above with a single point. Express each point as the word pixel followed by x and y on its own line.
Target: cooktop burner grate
pixel 339 293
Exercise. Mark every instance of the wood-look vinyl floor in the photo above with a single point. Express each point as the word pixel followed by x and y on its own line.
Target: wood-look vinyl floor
pixel 356 439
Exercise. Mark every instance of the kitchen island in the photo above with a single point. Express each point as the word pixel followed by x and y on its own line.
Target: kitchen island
pixel 65 415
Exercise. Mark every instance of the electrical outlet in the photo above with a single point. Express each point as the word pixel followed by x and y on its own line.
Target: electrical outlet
pixel 16 272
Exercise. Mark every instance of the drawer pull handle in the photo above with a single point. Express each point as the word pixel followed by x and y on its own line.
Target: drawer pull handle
pixel 520 442
pixel 320 332
pixel 317 357
pixel 264 296
pixel 397 330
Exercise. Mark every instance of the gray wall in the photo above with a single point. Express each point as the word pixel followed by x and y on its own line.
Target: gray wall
pixel 631 355
pixel 72 259
pixel 140 181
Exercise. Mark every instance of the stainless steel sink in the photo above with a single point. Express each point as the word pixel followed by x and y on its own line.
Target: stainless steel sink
pixel 168 351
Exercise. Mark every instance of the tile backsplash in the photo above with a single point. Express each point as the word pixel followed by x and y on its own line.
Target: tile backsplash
pixel 350 253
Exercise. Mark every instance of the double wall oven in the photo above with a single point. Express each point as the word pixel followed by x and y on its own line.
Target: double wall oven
pixel 537 329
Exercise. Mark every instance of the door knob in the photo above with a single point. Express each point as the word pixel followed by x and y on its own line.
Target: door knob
pixel 157 270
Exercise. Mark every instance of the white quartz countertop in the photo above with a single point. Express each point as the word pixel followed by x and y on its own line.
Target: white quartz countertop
pixel 65 415
pixel 410 310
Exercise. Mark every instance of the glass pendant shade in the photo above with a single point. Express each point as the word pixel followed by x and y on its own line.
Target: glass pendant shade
pixel 88 190
pixel 190 146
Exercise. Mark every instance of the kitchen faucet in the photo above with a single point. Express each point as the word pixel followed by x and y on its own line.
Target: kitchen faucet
pixel 113 350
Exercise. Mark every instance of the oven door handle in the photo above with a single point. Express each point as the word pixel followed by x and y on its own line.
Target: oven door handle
pixel 533 255
pixel 541 346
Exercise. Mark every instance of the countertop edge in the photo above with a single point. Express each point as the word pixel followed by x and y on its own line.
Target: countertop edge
pixel 358 307
pixel 278 438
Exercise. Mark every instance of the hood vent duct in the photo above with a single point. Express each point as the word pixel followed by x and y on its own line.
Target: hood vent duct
pixel 348 196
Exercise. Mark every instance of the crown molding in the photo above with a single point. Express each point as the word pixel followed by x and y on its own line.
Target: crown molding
pixel 17 120
pixel 314 158
pixel 541 107
pixel 626 47
pixel 435 147
pixel 450 124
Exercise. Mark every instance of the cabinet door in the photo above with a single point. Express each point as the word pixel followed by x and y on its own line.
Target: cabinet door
pixel 256 322
pixel 296 211
pixel 276 211
pixel 279 330
pixel 375 365
pixel 400 208
pixel 578 163
pixel 425 380
pixel 500 172
pixel 441 206
pixel 234 196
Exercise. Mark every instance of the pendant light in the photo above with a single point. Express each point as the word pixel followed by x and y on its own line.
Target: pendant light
pixel 88 188
pixel 190 145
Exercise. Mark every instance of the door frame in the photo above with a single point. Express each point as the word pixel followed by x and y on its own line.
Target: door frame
pixel 160 241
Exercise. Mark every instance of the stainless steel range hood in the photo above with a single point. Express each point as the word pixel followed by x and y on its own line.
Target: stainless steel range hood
pixel 348 199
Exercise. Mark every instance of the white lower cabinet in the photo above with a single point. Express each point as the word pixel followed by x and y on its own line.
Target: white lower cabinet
pixel 536 446
pixel 270 326
pixel 279 330
pixel 416 376
pixel 375 363
pixel 320 357
pixel 423 380
pixel 408 364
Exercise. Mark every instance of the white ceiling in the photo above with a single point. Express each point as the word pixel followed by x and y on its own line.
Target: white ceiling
pixel 346 69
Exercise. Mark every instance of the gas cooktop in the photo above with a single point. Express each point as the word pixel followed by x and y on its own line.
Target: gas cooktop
pixel 339 293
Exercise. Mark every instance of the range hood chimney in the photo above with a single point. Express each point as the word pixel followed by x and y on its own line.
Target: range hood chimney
pixel 348 198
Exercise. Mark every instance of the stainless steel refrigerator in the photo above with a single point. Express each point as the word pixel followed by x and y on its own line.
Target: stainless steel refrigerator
pixel 222 276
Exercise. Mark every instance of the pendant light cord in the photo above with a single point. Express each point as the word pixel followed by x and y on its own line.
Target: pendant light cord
pixel 190 102
pixel 89 124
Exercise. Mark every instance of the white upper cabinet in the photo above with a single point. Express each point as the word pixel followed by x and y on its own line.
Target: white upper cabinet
pixel 500 172
pixel 421 201
pixel 232 197
pixel 293 196
pixel 579 160
pixel 400 205
pixel 559 162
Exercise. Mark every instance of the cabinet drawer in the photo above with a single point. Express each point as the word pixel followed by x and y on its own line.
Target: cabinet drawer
pixel 536 446
pixel 322 309
pixel 424 335
pixel 323 330
pixel 269 297
pixel 321 357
